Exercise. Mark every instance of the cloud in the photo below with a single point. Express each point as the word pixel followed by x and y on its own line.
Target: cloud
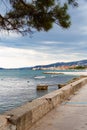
pixel 8 35
pixel 83 30
pixel 50 42
pixel 14 57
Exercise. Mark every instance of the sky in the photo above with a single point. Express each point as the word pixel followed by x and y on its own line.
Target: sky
pixel 57 45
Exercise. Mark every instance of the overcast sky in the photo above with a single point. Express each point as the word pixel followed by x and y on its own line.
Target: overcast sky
pixel 57 45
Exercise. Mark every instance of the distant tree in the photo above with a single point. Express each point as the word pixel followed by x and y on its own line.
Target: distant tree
pixel 26 15
pixel 80 67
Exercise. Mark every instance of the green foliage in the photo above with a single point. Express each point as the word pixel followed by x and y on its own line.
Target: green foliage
pixel 39 14
pixel 80 67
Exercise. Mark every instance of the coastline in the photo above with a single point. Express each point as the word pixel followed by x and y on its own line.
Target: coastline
pixel 67 73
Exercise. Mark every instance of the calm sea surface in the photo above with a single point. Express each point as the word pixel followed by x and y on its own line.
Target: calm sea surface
pixel 19 86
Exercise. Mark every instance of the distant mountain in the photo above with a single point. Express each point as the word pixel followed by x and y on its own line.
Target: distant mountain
pixel 76 63
pixel 1 68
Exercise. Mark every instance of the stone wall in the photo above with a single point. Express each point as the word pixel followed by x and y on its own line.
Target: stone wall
pixel 23 117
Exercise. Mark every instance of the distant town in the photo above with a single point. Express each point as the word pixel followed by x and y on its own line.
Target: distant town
pixel 60 67
pixel 82 64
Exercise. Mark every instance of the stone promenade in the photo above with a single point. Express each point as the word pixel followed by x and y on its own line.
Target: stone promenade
pixel 70 115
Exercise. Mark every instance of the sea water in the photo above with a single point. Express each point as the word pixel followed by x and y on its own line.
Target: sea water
pixel 18 86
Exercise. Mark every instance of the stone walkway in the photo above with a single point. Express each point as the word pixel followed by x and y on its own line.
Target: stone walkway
pixel 70 115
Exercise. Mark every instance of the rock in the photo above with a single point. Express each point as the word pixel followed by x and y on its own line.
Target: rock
pixel 42 87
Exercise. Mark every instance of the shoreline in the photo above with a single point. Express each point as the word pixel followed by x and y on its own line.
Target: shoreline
pixel 67 73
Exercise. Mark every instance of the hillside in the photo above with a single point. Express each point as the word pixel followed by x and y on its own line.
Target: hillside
pixel 76 63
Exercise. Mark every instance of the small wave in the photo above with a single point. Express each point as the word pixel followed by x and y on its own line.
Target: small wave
pixel 54 75
pixel 39 77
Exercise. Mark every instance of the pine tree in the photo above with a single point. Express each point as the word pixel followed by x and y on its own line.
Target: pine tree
pixel 26 15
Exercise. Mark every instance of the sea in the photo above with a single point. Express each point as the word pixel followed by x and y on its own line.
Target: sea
pixel 18 86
